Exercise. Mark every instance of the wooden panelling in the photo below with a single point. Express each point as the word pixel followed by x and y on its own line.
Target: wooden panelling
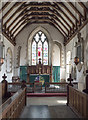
pixel 39 69
pixel 78 101
pixel 13 107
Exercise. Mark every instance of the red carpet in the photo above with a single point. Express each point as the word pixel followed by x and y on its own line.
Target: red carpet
pixel 46 94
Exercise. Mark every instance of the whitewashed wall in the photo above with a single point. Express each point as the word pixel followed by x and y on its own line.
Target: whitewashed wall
pixel 22 40
pixel 3 67
pixel 56 55
pixel 70 47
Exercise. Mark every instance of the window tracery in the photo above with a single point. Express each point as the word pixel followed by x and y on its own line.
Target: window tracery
pixel 40 49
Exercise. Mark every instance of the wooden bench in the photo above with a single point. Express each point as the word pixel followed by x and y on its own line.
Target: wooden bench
pixel 78 101
pixel 14 105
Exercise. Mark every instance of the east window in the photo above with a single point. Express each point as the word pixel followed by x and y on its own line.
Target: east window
pixel 40 49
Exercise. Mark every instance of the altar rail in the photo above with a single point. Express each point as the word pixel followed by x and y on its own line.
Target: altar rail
pixel 78 101
pixel 14 105
pixel 14 87
pixel 60 87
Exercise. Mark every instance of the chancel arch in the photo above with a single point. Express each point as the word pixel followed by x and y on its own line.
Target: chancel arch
pixel 31 40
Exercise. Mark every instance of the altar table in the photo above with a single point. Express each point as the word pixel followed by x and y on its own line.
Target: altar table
pixel 41 78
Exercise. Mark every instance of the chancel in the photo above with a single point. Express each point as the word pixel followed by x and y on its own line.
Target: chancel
pixel 44 59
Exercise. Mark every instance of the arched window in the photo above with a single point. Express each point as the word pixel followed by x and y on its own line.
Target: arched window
pixel 40 49
pixel 68 63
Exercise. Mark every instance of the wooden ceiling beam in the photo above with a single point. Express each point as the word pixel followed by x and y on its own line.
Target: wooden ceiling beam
pixel 69 12
pixel 21 8
pixel 8 36
pixel 55 13
pixel 18 10
pixel 46 19
pixel 76 10
pixel 83 6
pixel 1 10
pixel 20 15
pixel 10 10
pixel 26 7
pixel 61 11
pixel 84 9
pixel 41 15
pixel 38 22
pixel 73 35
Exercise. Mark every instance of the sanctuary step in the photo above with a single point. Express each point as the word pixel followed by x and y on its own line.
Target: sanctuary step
pixel 46 94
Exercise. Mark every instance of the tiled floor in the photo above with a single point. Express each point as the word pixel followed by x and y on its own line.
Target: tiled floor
pixel 50 101
pixel 47 107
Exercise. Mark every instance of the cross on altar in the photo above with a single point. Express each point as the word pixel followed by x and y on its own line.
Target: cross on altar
pixel 70 79
pixel 4 77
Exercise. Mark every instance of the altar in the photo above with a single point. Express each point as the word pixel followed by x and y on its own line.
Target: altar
pixel 39 72
pixel 39 78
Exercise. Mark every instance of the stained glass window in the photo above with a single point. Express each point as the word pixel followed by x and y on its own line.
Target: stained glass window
pixel 45 53
pixel 40 49
pixel 34 53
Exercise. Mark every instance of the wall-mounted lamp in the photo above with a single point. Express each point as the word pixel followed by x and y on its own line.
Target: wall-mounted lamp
pixel 1 61
pixel 76 60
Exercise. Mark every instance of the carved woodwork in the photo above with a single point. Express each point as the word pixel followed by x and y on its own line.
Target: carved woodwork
pixel 39 69
pixel 54 10
pixel 78 101
pixel 4 83
pixel 13 106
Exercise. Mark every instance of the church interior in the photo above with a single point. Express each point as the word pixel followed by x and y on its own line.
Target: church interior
pixel 44 59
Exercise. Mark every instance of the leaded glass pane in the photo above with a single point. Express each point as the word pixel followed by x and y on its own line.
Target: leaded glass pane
pixel 45 53
pixel 40 33
pixel 43 37
pixel 39 51
pixel 34 53
pixel 37 37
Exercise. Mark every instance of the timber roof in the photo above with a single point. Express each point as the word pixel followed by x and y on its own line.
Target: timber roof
pixel 67 17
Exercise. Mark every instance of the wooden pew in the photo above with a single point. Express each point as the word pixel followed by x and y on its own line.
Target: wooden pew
pixel 14 105
pixel 78 101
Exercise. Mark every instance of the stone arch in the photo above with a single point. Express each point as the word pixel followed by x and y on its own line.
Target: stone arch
pixel 60 46
pixel 29 45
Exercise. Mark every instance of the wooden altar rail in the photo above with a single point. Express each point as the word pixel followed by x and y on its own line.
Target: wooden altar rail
pixel 57 87
pixel 17 85
pixel 78 101
pixel 14 105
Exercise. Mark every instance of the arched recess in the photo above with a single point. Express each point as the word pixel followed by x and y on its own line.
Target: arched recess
pixel 9 60
pixel 57 61
pixel 29 44
pixel 60 47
